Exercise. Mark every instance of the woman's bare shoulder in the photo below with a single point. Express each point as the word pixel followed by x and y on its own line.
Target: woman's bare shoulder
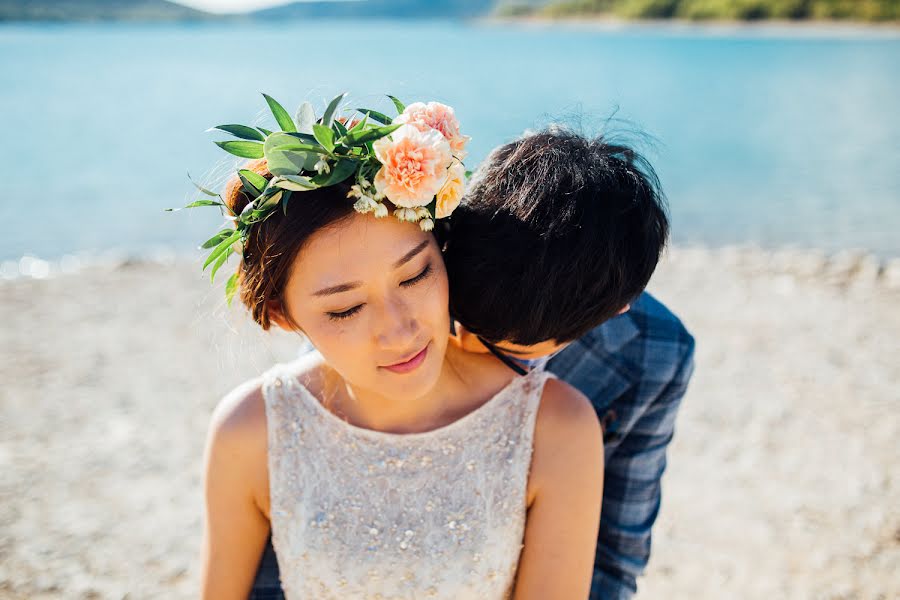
pixel 567 433
pixel 242 411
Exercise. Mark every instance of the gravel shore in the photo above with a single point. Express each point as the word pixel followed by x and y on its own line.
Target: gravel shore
pixel 783 478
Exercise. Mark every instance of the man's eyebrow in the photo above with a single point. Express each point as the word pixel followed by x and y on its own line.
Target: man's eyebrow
pixel 411 254
pixel 337 289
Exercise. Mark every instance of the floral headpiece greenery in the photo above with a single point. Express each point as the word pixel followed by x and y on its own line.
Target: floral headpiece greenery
pixel 413 160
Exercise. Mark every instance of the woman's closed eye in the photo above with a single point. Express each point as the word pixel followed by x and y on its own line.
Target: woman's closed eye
pixel 346 314
pixel 422 275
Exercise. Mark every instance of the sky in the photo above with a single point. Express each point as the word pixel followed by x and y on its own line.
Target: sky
pixel 232 6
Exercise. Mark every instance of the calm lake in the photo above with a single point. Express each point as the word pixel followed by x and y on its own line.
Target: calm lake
pixel 785 138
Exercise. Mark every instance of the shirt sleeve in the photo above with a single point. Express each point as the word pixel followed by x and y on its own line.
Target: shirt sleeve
pixel 632 491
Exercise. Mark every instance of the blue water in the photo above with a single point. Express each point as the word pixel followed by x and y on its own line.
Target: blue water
pixel 767 139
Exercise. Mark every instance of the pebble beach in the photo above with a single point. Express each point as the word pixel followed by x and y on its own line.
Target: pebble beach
pixel 782 479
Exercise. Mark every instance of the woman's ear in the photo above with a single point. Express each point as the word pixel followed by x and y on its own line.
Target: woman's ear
pixel 278 316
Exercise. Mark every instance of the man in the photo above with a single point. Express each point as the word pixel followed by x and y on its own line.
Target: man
pixel 547 259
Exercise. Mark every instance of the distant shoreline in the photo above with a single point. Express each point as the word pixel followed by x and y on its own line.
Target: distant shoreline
pixel 775 26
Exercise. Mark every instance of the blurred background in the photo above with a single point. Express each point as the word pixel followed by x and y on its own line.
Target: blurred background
pixel 773 125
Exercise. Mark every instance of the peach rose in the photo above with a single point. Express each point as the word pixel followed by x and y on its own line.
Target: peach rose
pixel 451 193
pixel 413 165
pixel 435 115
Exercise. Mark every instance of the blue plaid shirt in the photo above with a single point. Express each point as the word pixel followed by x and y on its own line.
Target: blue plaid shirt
pixel 635 369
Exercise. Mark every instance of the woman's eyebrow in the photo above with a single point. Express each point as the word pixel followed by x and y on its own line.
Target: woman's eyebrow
pixel 411 254
pixel 337 289
pixel 352 285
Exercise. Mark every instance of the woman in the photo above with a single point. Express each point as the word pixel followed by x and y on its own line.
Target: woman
pixel 390 463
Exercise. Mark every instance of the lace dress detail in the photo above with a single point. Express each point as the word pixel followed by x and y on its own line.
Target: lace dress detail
pixel 362 514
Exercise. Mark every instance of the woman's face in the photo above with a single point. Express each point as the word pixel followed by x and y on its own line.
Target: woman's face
pixel 372 296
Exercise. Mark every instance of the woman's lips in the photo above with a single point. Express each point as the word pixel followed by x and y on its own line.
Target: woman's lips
pixel 411 364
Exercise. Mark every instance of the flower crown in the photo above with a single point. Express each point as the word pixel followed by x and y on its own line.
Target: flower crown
pixel 413 160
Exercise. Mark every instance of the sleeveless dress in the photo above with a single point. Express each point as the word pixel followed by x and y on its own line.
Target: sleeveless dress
pixel 362 514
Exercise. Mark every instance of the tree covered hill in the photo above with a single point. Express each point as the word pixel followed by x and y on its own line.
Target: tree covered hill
pixel 97 10
pixel 747 10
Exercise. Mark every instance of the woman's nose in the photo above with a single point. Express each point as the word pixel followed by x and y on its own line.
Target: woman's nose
pixel 396 326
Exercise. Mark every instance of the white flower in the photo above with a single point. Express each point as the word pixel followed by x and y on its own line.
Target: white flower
pixel 381 211
pixel 355 191
pixel 365 205
pixel 422 213
pixel 406 214
pixel 426 224
pixel 322 166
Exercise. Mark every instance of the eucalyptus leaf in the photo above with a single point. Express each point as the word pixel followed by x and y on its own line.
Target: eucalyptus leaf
pixel 219 262
pixel 306 116
pixel 242 149
pixel 397 104
pixel 231 287
pixel 241 131
pixel 358 138
pixel 328 115
pixel 285 162
pixel 376 116
pixel 265 131
pixel 342 169
pixel 255 179
pixel 281 116
pixel 222 247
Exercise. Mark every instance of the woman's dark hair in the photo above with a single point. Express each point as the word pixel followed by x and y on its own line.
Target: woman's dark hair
pixel 274 243
pixel 556 235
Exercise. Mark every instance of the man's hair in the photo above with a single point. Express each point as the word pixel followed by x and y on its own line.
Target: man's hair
pixel 557 233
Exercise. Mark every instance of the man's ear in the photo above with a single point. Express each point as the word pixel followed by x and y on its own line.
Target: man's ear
pixel 277 315
pixel 625 310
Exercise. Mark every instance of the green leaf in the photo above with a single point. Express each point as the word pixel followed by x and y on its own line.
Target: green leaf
pixel 306 116
pixel 302 148
pixel 376 116
pixel 361 124
pixel 342 169
pixel 325 136
pixel 220 261
pixel 306 138
pixel 241 131
pixel 284 202
pixel 223 245
pixel 196 204
pixel 265 131
pixel 216 239
pixel 242 149
pixel 339 128
pixel 281 116
pixel 202 189
pixel 328 115
pixel 468 174
pixel 296 183
pixel 397 104
pixel 231 288
pixel 256 181
pixel 358 138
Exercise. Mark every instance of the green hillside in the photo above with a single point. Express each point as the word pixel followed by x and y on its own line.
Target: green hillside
pixel 740 10
pixel 97 10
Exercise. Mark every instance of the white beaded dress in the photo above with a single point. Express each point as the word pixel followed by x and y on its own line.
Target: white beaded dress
pixel 358 514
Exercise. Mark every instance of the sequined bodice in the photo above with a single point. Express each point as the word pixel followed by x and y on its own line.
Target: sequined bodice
pixel 363 514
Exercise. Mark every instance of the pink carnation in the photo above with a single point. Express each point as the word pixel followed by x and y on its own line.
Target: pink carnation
pixel 414 165
pixel 435 115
